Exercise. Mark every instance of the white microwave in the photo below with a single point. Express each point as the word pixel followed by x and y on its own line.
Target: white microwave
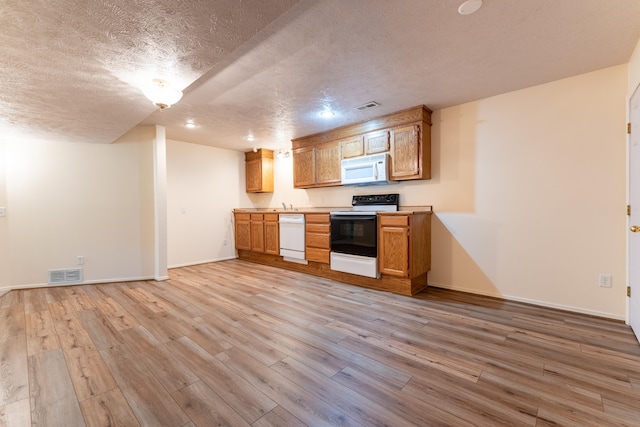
pixel 366 170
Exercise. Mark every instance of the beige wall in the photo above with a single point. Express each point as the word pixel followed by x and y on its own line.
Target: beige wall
pixel 5 277
pixel 204 184
pixel 528 189
pixel 634 70
pixel 70 199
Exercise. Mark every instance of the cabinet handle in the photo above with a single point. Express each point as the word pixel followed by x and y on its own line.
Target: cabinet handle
pixel 634 228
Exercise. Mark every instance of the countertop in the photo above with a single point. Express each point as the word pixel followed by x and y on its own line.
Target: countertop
pixel 304 210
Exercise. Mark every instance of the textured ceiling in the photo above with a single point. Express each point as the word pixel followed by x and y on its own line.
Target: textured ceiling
pixel 70 69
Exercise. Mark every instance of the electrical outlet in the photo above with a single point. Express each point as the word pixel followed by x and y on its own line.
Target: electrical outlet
pixel 605 281
pixel 224 242
pixel 3 211
pixel 80 260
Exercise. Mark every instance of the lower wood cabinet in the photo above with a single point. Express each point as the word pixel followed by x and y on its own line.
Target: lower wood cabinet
pixel 271 234
pixel 317 245
pixel 257 232
pixel 243 231
pixel 404 244
pixel 404 248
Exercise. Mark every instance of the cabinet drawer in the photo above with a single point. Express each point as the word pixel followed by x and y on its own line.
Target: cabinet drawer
pixel 318 240
pixel 271 217
pixel 318 228
pixel 242 216
pixel 317 218
pixel 394 220
pixel 257 217
pixel 317 255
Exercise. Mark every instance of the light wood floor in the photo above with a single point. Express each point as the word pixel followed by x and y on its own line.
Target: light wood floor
pixel 238 344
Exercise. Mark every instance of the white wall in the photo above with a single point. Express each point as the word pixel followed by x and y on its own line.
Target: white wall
pixel 70 199
pixel 529 193
pixel 204 184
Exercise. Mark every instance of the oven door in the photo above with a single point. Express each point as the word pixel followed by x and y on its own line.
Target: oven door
pixel 354 233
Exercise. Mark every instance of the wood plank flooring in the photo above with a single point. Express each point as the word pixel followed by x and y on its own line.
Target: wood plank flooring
pixel 240 344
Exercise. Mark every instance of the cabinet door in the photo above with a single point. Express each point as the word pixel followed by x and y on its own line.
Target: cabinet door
pixel 394 251
pixel 406 153
pixel 304 170
pixel 259 171
pixel 243 232
pixel 376 142
pixel 254 175
pixel 271 238
pixel 352 147
pixel 328 163
pixel 257 233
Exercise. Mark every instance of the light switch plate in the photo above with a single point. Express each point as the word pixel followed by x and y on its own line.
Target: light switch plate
pixel 3 211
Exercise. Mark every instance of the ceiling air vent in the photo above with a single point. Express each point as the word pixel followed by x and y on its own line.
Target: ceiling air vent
pixel 61 277
pixel 371 104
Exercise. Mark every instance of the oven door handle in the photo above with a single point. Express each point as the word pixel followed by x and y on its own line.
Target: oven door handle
pixel 354 217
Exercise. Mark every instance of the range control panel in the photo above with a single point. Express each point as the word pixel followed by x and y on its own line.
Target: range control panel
pixel 376 199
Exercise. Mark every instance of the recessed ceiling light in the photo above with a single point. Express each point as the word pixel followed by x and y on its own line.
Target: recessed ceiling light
pixel 469 7
pixel 250 137
pixel 190 124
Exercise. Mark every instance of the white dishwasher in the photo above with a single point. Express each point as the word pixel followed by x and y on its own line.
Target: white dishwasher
pixel 292 237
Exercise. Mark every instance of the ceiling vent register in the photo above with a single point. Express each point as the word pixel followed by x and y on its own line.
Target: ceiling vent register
pixel 367 106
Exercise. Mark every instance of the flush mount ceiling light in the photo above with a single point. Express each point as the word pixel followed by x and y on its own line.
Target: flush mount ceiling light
pixel 250 137
pixel 327 113
pixel 161 93
pixel 469 7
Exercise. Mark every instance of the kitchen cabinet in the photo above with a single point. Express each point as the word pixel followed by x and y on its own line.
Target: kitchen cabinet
pixel 328 163
pixel 405 135
pixel 409 159
pixel 257 232
pixel 271 234
pixel 352 147
pixel 243 231
pixel 259 171
pixel 404 244
pixel 376 142
pixel 317 237
pixel 317 166
pixel 304 167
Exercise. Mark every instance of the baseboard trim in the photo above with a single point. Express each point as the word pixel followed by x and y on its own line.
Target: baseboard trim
pixel 531 301
pixel 86 282
pixel 189 264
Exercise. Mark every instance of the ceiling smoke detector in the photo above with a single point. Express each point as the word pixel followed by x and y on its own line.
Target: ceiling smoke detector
pixel 370 104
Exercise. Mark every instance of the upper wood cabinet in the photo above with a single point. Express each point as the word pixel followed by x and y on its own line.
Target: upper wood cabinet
pixel 317 166
pixel 406 153
pixel 259 171
pixel 304 167
pixel 406 135
pixel 328 163
pixel 376 142
pixel 352 147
